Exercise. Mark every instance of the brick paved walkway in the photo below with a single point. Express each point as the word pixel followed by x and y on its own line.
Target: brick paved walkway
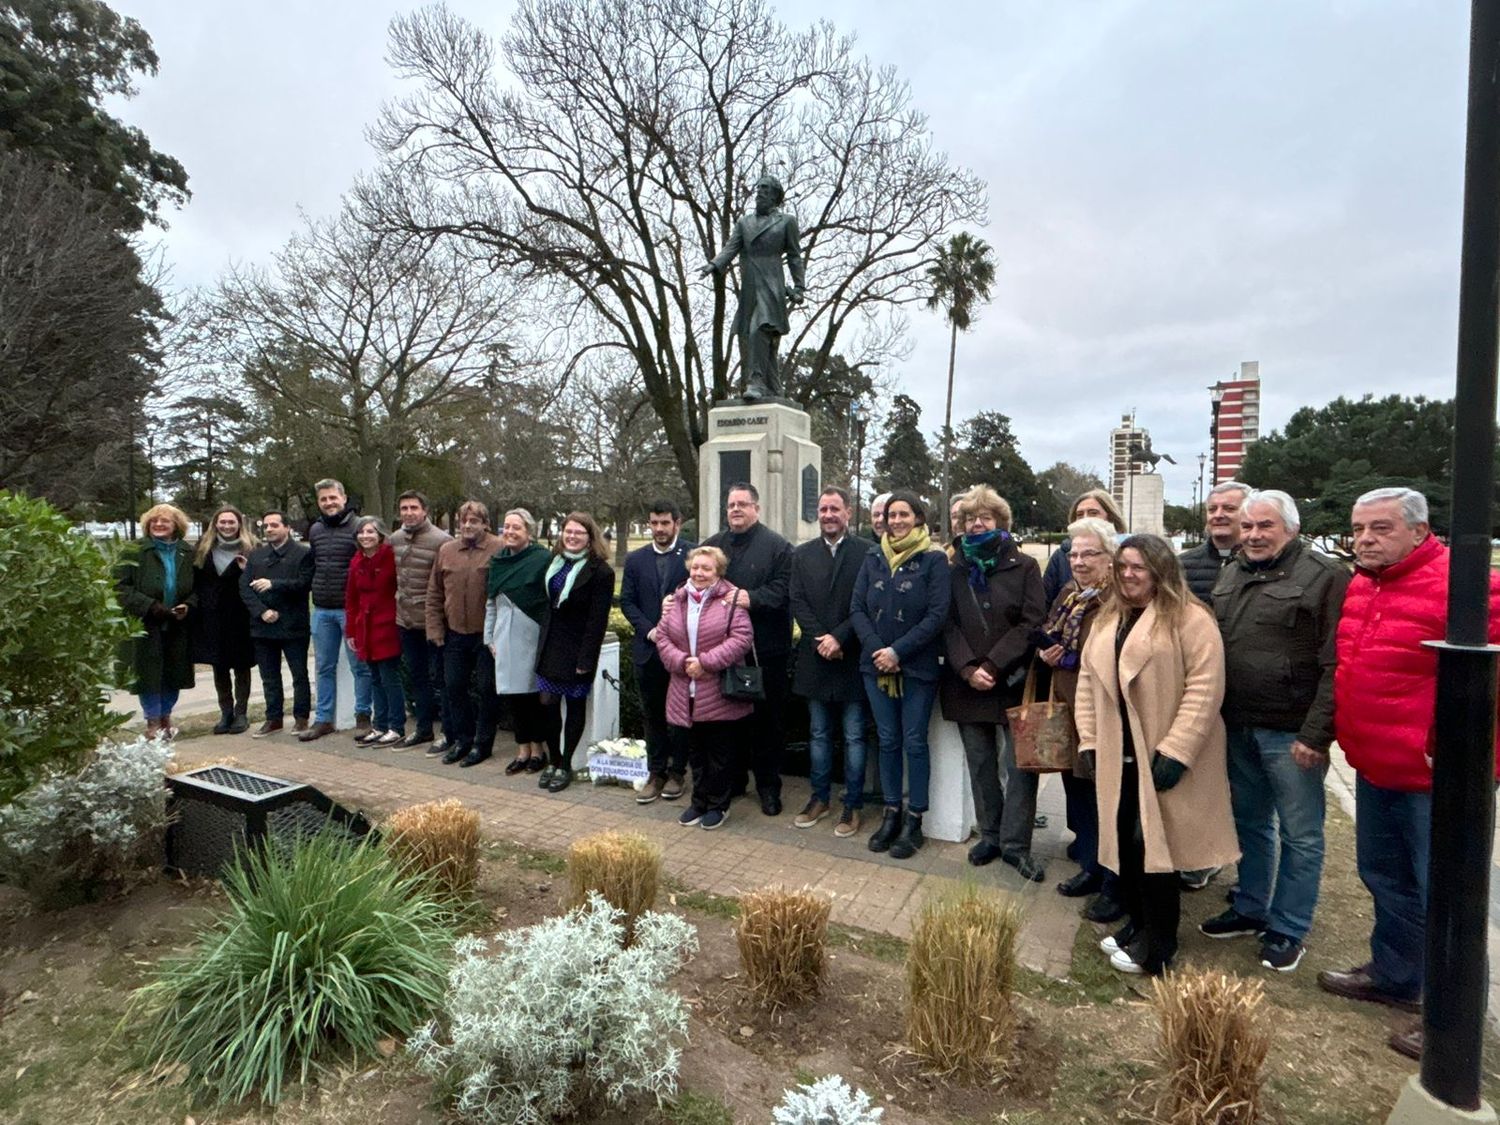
pixel 870 891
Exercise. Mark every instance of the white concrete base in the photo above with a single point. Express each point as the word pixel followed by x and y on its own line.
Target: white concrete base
pixel 1417 1107
pixel 1145 510
pixel 603 716
pixel 950 813
pixel 343 708
pixel 771 446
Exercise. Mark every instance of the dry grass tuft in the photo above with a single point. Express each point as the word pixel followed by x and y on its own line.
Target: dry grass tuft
pixel 783 939
pixel 960 973
pixel 439 839
pixel 624 867
pixel 1212 1047
pixel 177 765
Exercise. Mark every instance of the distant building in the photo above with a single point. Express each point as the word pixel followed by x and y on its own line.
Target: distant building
pixel 1121 438
pixel 1236 421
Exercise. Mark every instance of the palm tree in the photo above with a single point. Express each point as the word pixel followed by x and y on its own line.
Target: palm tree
pixel 961 278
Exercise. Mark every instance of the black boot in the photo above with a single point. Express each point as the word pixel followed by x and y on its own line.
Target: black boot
pixel 240 721
pixel 226 718
pixel 911 839
pixel 890 827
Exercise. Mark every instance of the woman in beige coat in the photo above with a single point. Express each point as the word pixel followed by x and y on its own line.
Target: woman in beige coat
pixel 1150 683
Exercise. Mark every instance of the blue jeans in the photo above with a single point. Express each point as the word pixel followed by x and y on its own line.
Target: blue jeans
pixel 1392 830
pixel 1276 800
pixel 901 724
pixel 328 639
pixel 386 695
pixel 821 717
pixel 158 704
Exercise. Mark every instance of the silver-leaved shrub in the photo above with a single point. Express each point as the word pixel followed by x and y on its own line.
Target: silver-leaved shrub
pixel 828 1101
pixel 560 1013
pixel 75 836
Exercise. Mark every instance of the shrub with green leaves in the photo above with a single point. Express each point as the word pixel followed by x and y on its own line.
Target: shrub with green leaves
pixel 62 628
pixel 73 837
pixel 563 1012
pixel 327 947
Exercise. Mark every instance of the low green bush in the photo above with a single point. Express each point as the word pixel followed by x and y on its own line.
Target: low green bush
pixel 326 948
pixel 74 837
pixel 62 630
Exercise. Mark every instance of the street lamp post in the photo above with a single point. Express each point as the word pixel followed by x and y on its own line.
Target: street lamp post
pixel 1463 756
pixel 1202 498
pixel 857 414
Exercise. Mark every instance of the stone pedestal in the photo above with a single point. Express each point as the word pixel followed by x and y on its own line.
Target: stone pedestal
pixel 1145 504
pixel 950 813
pixel 770 445
pixel 1417 1107
pixel 603 717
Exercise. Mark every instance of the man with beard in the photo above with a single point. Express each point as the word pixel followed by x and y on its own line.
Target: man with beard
pixel 416 543
pixel 274 588
pixel 331 538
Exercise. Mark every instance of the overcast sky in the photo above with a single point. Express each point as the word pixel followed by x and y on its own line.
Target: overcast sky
pixel 1175 186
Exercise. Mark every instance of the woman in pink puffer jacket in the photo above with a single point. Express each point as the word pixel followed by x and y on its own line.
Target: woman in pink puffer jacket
pixel 703 632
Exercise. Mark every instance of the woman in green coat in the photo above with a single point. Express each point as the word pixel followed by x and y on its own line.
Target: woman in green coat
pixel 155 584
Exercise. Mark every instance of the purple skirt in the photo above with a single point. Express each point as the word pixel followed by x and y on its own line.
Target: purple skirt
pixel 570 689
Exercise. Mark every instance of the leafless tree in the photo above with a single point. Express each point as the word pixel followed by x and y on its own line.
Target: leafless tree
pixel 374 330
pixel 79 322
pixel 617 163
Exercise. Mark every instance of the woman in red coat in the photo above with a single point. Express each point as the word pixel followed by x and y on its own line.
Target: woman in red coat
pixel 370 626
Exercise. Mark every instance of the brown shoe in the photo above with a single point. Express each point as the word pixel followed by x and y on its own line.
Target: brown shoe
pixel 1408 1042
pixel 152 726
pixel 270 726
pixel 301 725
pixel 654 785
pixel 812 812
pixel 674 787
pixel 848 823
pixel 315 732
pixel 361 722
pixel 1356 984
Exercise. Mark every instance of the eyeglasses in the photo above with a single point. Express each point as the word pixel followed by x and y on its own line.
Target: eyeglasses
pixel 1079 556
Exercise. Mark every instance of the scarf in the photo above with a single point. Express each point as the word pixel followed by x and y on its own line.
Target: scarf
pixel 704 595
pixel 569 559
pixel 1066 621
pixel 518 575
pixel 899 551
pixel 983 552
pixel 224 552
pixel 166 550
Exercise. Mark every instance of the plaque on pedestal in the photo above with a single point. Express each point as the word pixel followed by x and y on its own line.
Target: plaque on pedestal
pixel 768 444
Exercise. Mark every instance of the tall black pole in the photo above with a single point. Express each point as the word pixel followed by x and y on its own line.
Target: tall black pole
pixel 1463 767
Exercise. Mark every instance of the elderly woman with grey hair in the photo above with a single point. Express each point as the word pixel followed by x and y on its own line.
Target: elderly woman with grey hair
pixel 1091 555
pixel 514 610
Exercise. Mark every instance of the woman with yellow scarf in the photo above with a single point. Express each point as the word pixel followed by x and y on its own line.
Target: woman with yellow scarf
pixel 899 609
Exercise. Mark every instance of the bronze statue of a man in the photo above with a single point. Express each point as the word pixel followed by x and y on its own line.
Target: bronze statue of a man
pixel 761 241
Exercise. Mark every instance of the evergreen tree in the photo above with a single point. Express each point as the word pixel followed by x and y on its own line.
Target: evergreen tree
pixel 905 461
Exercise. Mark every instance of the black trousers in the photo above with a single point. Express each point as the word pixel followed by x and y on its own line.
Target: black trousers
pixel 764 743
pixel 1153 901
pixel 469 680
pixel 711 750
pixel 527 719
pixel 424 664
pixel 268 654
pixel 664 754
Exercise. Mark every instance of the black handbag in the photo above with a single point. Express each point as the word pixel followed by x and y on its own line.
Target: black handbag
pixel 745 682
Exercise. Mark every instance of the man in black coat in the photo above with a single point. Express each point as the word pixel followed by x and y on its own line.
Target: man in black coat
pixel 825 671
pixel 274 586
pixel 1221 542
pixel 331 539
pixel 651 573
pixel 760 564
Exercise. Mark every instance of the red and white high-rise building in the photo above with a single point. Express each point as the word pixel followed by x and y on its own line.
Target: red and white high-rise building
pixel 1236 420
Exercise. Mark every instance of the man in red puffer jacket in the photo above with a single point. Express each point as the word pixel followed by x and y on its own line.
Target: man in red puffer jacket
pixel 1384 697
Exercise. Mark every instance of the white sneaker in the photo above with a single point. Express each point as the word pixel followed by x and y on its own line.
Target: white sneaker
pixel 1111 945
pixel 390 738
pixel 1121 961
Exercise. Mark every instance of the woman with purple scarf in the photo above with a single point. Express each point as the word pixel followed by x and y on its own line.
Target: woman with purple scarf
pixel 1091 555
pixel 995 605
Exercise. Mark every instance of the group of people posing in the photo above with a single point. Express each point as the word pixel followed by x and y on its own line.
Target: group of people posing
pixel 484 623
pixel 1205 689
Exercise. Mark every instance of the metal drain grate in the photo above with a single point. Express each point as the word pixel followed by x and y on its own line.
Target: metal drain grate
pixel 217 810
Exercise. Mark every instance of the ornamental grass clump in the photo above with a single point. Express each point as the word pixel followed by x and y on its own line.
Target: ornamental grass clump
pixel 783 940
pixel 561 1014
pixel 438 840
pixel 326 948
pixel 1212 1047
pixel 623 867
pixel 828 1101
pixel 74 837
pixel 960 974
